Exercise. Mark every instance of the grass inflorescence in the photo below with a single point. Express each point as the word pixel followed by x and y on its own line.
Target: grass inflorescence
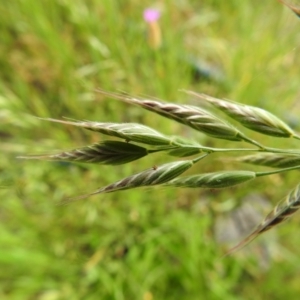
pixel 141 237
pixel 121 152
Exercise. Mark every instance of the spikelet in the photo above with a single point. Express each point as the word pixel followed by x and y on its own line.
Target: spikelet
pixel 280 213
pixel 150 177
pixel 106 152
pixel 254 118
pixel 272 160
pixel 192 116
pixel 213 180
pixel 128 131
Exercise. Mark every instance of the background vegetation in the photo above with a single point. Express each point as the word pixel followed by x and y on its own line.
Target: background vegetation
pixel 140 244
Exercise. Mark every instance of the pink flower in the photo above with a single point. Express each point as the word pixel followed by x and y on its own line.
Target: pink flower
pixel 151 15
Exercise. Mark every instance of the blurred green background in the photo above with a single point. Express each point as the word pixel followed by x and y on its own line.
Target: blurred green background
pixel 140 244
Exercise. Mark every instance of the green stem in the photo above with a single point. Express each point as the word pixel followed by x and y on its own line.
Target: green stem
pixel 250 141
pixel 259 174
pixel 204 149
pixel 199 158
pixel 276 150
pixel 269 149
pixel 264 149
pixel 231 149
pixel 297 137
pixel 212 150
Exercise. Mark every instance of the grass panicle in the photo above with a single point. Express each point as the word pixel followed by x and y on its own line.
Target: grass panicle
pixel 156 175
pixel 120 152
pixel 251 117
pixel 280 213
pixel 271 160
pixel 55 53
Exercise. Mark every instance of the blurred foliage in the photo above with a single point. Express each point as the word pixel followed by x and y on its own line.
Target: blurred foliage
pixel 151 244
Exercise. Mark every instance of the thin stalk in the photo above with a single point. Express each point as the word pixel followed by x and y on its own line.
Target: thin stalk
pixel 263 148
pixel 231 149
pixel 276 150
pixel 194 161
pixel 251 141
pixel 259 174
pixel 212 150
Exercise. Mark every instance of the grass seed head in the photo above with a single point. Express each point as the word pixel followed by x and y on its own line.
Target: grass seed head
pixel 106 152
pixel 254 118
pixel 280 213
pixel 128 131
pixel 150 177
pixel 192 116
pixel 272 160
pixel 213 180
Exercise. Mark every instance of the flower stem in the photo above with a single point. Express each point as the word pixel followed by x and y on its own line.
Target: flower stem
pixel 259 174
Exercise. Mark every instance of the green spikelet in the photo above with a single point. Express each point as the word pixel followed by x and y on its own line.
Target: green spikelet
pixel 106 152
pixel 272 160
pixel 254 118
pixel 128 131
pixel 280 213
pixel 192 116
pixel 150 177
pixel 213 180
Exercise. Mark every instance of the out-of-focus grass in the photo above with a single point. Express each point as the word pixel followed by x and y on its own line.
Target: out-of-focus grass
pixel 145 244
